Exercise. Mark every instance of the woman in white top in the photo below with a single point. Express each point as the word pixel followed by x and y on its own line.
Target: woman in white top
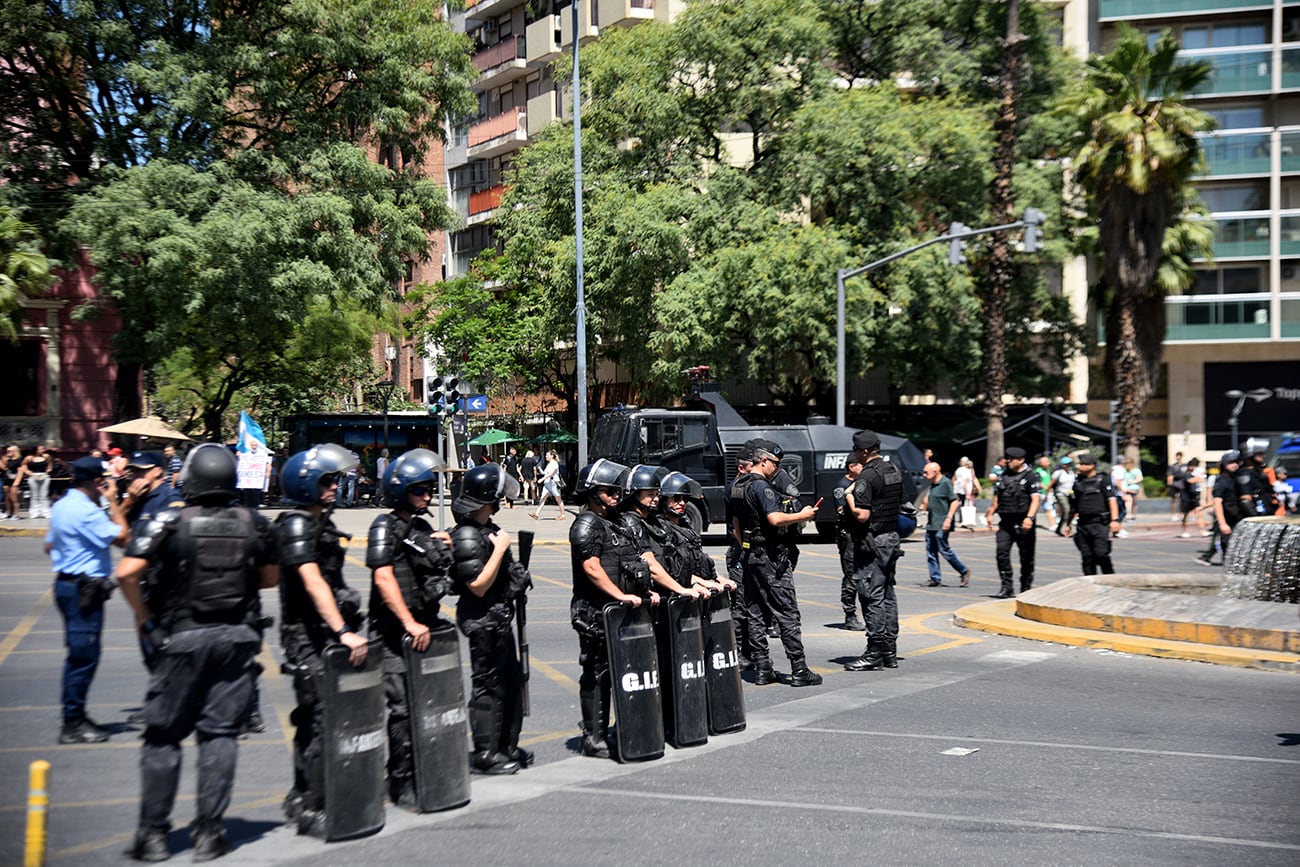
pixel 965 482
pixel 1131 486
pixel 550 482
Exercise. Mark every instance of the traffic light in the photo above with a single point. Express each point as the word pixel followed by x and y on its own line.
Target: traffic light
pixel 451 395
pixel 957 247
pixel 432 395
pixel 1034 220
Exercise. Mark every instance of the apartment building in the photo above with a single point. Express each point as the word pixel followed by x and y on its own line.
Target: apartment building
pixel 1238 328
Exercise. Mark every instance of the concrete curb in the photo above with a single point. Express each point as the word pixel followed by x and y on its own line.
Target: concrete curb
pixel 33 532
pixel 1000 618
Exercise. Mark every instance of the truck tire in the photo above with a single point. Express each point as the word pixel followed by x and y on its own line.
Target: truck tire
pixel 694 519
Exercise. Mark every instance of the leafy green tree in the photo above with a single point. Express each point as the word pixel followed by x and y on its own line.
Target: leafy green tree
pixel 1137 153
pixel 24 269
pixel 243 279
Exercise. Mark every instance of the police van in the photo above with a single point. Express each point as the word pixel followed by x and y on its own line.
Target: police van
pixel 703 438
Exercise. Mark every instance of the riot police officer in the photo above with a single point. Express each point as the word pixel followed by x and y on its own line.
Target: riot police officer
pixel 1016 495
pixel 845 523
pixel 408 563
pixel 875 501
pixel 1094 504
pixel 212 559
pixel 317 609
pixel 607 567
pixel 767 570
pixel 489 580
pixel 640 517
pixel 735 555
pixel 684 555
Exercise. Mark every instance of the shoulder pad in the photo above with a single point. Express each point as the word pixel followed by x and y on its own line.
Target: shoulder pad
pixel 587 536
pixel 298 533
pixel 469 553
pixel 147 536
pixel 379 545
pixel 634 528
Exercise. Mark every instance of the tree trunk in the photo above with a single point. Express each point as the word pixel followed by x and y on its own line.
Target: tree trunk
pixel 993 376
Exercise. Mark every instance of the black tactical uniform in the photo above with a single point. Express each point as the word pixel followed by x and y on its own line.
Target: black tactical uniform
pixel 205 562
pixel 598 536
pixel 844 522
pixel 1090 502
pixel 495 705
pixel 1013 492
pixel 736 572
pixel 1236 489
pixel 306 538
pixel 876 549
pixel 768 580
pixel 419 563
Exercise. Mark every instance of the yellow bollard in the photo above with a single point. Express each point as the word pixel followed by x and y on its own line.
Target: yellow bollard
pixel 38 806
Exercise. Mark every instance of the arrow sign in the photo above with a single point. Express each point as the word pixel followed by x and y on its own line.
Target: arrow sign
pixel 1260 394
pixel 476 403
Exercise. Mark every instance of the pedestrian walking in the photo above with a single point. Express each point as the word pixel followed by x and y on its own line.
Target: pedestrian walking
pixel 1059 489
pixel 78 540
pixel 941 507
pixel 1233 501
pixel 550 486
pixel 210 560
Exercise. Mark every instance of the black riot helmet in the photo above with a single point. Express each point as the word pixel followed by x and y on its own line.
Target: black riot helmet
pixel 208 474
pixel 416 467
pixel 486 483
pixel 643 477
pixel 601 474
pixel 675 484
pixel 300 479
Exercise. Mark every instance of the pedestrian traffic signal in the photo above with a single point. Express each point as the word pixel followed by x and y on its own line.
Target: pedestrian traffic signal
pixel 957 247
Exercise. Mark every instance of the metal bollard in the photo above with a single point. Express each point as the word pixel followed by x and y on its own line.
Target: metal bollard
pixel 38 806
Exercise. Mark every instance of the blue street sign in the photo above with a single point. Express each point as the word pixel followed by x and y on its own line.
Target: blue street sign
pixel 475 403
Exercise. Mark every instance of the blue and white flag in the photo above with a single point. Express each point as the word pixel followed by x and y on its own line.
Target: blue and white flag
pixel 249 432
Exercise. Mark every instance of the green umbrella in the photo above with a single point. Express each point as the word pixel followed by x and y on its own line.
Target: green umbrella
pixel 558 436
pixel 493 437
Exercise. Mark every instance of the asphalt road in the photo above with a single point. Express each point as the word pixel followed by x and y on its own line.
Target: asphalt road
pixel 1080 756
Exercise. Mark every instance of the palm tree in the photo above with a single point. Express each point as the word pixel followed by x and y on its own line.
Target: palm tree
pixel 1137 154
pixel 24 270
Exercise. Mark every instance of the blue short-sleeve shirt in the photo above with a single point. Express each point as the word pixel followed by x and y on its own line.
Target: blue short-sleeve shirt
pixel 80 535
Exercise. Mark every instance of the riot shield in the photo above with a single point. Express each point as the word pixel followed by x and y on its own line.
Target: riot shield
pixel 634 673
pixel 722 665
pixel 354 744
pixel 681 657
pixel 435 694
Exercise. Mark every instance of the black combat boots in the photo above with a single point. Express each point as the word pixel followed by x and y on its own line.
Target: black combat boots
pixel 802 675
pixel 869 660
pixel 889 652
pixel 1008 586
pixel 594 728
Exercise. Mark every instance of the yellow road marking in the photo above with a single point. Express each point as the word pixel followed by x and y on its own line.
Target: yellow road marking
pixel 916 625
pixel 546 737
pixel 552 673
pixel 19 632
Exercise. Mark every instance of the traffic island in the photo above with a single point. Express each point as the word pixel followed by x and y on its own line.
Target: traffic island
pixel 1175 616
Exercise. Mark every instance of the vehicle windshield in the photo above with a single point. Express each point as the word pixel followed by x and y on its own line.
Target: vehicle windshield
pixel 607 441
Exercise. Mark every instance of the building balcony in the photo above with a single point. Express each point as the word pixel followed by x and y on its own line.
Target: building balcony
pixel 1237 71
pixel 624 13
pixel 544 39
pixel 1241 236
pixel 1117 10
pixel 1238 152
pixel 505 61
pixel 587 29
pixel 543 110
pixel 498 135
pixel 483 202
pixel 1217 317
pixel 482 10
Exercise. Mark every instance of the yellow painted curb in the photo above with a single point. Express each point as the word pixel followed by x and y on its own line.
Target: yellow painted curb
pixel 1000 618
pixel 35 533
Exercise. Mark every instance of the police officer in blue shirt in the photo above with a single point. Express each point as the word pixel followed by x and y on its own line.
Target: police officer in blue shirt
pixel 148 491
pixel 77 543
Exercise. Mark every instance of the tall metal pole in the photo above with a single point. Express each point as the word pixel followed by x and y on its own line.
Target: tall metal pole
pixel 581 372
pixel 840 324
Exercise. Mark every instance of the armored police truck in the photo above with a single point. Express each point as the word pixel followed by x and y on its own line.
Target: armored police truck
pixel 702 439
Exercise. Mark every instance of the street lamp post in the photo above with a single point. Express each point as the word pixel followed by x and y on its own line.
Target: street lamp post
pixel 385 389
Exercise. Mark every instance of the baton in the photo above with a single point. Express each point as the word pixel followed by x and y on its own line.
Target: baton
pixel 521 621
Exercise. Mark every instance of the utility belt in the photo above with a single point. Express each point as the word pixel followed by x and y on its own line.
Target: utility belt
pixel 1094 519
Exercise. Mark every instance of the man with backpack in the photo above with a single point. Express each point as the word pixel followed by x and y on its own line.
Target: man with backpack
pixel 213 558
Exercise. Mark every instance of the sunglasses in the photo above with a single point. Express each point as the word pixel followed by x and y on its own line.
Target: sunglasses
pixel 420 490
pixel 677 498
